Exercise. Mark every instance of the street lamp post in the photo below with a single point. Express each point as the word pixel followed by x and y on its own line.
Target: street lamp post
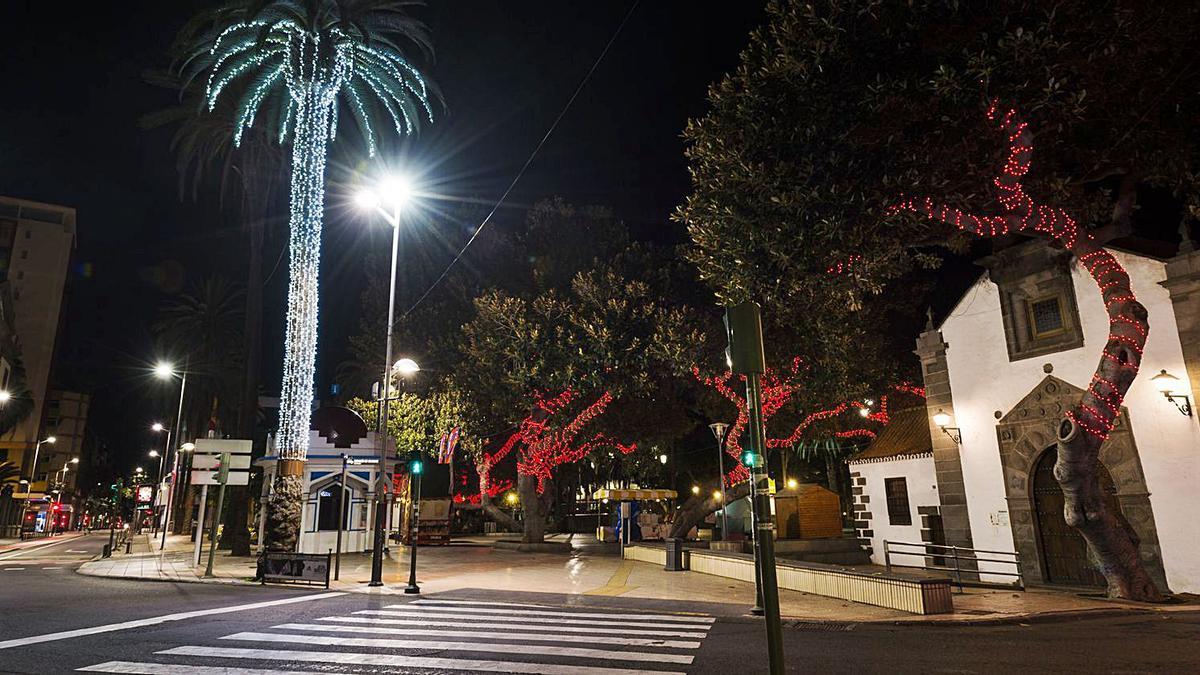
pixel 62 484
pixel 166 371
pixel 396 192
pixel 720 430
pixel 158 479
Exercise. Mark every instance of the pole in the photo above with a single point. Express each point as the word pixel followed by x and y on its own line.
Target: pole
pixel 757 609
pixel 212 537
pixel 380 491
pixel 200 525
pixel 724 502
pixel 178 431
pixel 764 526
pixel 414 527
pixel 337 564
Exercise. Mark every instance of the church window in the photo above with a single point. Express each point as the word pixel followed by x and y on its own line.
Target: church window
pixel 1046 317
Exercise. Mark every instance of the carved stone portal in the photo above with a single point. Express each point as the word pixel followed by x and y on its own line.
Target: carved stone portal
pixel 1026 432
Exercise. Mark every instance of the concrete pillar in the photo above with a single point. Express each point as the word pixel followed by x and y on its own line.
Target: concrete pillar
pixel 1183 283
pixel 952 494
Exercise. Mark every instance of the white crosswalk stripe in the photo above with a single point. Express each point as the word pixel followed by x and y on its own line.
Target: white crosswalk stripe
pixel 492 637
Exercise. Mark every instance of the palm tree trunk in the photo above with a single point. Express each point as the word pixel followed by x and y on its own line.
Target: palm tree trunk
pixel 236 533
pixel 300 341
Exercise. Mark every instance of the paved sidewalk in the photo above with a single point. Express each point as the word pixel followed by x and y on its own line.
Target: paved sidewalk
pixel 472 563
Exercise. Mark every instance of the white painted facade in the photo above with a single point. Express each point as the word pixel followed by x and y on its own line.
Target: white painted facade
pixel 918 474
pixel 986 384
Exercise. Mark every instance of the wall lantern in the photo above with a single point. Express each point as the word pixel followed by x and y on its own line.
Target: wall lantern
pixel 1168 384
pixel 942 419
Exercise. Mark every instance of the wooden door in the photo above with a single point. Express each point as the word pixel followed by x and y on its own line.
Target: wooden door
pixel 1064 551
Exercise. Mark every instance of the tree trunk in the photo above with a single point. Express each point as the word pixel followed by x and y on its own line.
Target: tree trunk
pixel 300 336
pixel 502 518
pixel 534 507
pixel 698 507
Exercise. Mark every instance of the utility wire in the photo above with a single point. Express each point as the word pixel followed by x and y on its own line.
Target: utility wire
pixel 525 166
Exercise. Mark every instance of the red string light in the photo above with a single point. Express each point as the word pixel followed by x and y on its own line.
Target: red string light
pixel 1023 214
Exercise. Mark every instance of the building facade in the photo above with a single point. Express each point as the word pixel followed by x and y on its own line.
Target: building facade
pixel 1018 350
pixel 36 243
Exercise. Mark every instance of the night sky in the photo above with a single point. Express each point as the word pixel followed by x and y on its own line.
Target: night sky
pixel 74 90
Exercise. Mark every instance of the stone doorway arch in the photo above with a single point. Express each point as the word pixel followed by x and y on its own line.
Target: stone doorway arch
pixel 1025 432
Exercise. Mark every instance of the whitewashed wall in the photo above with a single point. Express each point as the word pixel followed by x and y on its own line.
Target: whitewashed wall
pixel 919 474
pixel 983 381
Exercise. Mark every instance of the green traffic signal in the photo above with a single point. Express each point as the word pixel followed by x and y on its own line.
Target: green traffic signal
pixel 415 466
pixel 751 458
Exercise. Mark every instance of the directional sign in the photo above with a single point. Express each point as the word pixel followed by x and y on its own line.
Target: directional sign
pixel 215 446
pixel 236 462
pixel 212 478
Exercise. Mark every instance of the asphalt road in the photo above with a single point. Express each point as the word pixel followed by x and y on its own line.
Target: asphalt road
pixel 52 620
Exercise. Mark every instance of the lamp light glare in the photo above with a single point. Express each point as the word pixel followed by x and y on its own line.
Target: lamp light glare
pixel 5 395
pixel 157 427
pixel 1165 382
pixel 717 495
pixel 695 489
pixel 164 370
pixel 51 439
pixel 397 190
pixel 406 367
pixel 366 199
pixel 792 484
pixel 941 418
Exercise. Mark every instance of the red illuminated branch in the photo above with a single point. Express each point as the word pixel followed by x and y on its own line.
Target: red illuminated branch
pixel 1097 413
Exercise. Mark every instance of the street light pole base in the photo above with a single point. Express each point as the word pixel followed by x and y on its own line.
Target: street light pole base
pixel 756 610
pixel 412 589
pixel 375 584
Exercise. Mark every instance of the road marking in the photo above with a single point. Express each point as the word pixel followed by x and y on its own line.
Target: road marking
pixel 39 547
pixel 52 568
pixel 528 619
pixel 500 647
pixel 606 629
pixel 477 602
pixel 173 669
pixel 359 658
pixel 75 551
pixel 154 620
pixel 530 612
pixel 13 569
pixel 504 635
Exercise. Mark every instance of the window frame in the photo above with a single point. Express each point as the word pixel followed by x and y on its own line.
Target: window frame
pixel 893 507
pixel 1034 333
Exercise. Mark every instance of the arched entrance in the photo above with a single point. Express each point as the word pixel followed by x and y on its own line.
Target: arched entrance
pixel 1064 550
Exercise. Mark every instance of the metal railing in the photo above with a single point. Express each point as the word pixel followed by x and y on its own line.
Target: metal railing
pixel 952 560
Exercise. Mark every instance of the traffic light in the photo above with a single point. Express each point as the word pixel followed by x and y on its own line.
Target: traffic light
pixel 751 458
pixel 415 463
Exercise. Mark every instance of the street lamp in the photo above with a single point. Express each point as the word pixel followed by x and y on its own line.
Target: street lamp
pixel 942 419
pixel 62 485
pixel 388 201
pixel 166 371
pixel 721 430
pixel 36 451
pixel 5 395
pixel 1167 385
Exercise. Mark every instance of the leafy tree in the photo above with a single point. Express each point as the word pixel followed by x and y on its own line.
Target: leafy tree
pixel 839 109
pixel 304 64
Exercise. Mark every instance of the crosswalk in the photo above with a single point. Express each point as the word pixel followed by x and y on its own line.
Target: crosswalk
pixel 447 635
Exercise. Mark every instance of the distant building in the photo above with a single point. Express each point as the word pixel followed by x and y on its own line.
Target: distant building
pixel 1019 349
pixel 36 242
pixel 65 420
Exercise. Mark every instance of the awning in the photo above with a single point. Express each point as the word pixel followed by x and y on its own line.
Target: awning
pixel 633 495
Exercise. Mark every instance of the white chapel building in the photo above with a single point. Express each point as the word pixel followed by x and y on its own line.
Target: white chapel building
pixel 1017 350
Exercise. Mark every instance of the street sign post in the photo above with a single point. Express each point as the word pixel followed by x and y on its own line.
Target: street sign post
pixel 217 461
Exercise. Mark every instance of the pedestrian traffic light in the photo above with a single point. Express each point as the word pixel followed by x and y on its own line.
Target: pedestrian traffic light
pixel 415 466
pixel 751 458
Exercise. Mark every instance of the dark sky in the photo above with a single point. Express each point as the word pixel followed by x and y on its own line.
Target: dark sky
pixel 74 92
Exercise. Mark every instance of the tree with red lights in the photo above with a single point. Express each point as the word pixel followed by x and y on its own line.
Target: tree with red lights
pixel 576 372
pixel 836 110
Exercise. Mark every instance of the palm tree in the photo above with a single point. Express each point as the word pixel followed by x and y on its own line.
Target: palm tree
pixel 300 62
pixel 10 473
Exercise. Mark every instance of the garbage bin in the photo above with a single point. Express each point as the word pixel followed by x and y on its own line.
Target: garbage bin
pixel 674 556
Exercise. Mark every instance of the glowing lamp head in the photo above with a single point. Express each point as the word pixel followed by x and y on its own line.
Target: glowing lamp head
pixel 695 489
pixel 941 418
pixel 717 495
pixel 5 395
pixel 396 190
pixel 662 459
pixel 164 370
pixel 792 484
pixel 51 440
pixel 153 453
pixel 406 367
pixel 511 498
pixel 188 447
pixel 864 412
pixel 74 460
pixel 366 199
pixel 1165 383
pixel 157 427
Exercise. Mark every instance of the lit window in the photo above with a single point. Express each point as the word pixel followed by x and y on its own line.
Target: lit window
pixel 1046 317
pixel 899 512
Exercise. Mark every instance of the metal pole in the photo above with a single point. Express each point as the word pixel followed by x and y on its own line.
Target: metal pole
pixel 764 527
pixel 757 609
pixel 200 525
pixel 212 537
pixel 380 499
pixel 724 501
pixel 178 431
pixel 413 588
pixel 337 564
